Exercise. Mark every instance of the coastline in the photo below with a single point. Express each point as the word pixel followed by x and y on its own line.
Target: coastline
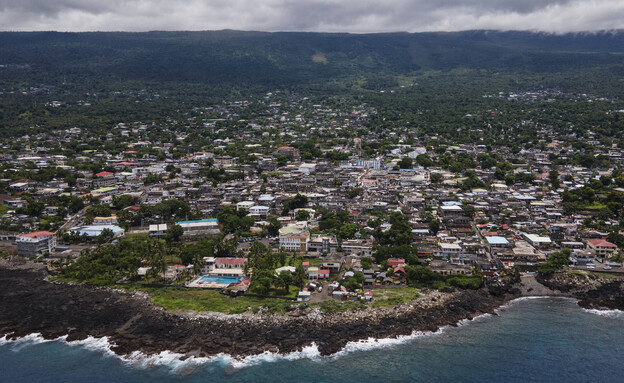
pixel 133 326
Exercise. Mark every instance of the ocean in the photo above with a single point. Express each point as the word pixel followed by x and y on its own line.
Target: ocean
pixel 531 340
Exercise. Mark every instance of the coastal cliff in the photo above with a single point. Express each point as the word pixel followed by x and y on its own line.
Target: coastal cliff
pixel 30 304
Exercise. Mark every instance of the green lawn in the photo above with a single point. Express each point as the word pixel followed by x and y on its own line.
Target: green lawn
pixel 594 206
pixel 177 299
pixel 394 296
pixel 173 299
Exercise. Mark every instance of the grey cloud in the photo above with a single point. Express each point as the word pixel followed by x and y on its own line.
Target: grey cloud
pixel 312 15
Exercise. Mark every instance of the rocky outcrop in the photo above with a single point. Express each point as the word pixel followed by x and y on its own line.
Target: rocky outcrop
pixel 592 293
pixel 30 304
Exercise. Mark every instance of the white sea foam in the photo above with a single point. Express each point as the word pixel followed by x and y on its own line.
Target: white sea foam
pixel 90 343
pixel 606 313
pixel 178 363
pixel 375 343
pixel 522 299
pixel 475 319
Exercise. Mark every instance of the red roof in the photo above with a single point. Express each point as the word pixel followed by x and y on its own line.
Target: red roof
pixel 323 271
pixel 102 174
pixel 230 261
pixel 125 163
pixel 399 269
pixel 38 234
pixel 600 242
pixel 396 261
pixel 134 208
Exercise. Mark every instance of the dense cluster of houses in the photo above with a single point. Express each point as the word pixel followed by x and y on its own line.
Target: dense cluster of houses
pixel 495 227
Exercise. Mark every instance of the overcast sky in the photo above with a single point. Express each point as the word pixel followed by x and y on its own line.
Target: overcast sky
pixel 312 15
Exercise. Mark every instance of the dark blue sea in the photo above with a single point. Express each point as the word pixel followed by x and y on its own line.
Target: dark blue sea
pixel 531 340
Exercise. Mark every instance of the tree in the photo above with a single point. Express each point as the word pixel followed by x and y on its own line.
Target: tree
pixel 156 257
pixel 175 233
pixel 424 160
pixel 123 201
pixel 435 177
pixel 347 231
pixel 469 210
pixel 262 282
pixel 273 227
pixel 299 277
pixel 553 176
pixel 297 202
pixel 287 279
pixel 198 262
pixel 405 163
pixel 434 226
pixel 555 262
pixel 106 235
pixel 366 262
pixel 302 215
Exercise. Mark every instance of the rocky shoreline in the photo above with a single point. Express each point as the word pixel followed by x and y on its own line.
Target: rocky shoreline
pixel 30 304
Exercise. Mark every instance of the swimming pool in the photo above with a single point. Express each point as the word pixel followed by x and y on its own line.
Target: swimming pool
pixel 211 280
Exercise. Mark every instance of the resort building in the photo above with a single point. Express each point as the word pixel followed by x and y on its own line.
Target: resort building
pixel 229 267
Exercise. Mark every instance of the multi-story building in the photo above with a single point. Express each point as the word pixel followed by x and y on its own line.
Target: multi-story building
pixel 293 238
pixel 35 244
pixel 600 246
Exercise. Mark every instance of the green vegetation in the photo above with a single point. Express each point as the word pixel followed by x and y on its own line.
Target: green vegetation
pixel 556 261
pixel 394 296
pixel 180 299
pixel 421 276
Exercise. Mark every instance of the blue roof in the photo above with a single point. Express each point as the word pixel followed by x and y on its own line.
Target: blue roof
pixel 200 220
pixel 451 203
pixel 95 230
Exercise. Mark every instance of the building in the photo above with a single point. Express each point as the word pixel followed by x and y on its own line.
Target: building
pixel 228 267
pixel 35 244
pixel 293 238
pixel 287 151
pixel 537 241
pixel 447 250
pixel 94 231
pixel 323 244
pixel 158 230
pixel 358 247
pixel 259 210
pixel 451 211
pixel 497 241
pixel 112 220
pixel 200 228
pixel 601 247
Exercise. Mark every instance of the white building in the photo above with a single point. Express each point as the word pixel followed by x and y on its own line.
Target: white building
pixel 293 238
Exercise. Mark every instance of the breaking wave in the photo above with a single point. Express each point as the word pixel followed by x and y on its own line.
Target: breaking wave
pixel 606 313
pixel 180 363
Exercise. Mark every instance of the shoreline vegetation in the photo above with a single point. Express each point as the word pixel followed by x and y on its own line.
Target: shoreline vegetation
pixel 130 320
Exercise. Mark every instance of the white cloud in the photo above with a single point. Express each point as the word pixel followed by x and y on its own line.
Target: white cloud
pixel 312 15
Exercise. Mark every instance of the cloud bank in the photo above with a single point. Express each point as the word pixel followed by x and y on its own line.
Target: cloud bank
pixel 357 16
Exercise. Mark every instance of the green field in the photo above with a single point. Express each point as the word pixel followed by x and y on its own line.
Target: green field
pixel 394 296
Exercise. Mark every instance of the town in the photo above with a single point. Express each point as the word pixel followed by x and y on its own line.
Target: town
pixel 283 197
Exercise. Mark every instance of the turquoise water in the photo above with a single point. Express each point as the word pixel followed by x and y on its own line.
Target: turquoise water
pixel 218 280
pixel 533 340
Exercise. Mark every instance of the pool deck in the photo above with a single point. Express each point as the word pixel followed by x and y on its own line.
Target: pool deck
pixel 198 283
